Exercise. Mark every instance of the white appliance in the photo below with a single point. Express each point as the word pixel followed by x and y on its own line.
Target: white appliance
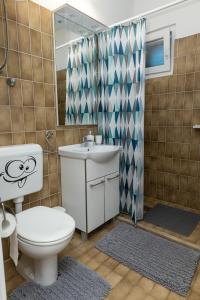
pixel 42 232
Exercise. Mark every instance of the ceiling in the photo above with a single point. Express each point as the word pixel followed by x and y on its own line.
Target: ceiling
pixel 107 12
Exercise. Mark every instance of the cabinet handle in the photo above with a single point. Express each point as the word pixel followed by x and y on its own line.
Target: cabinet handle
pixel 95 184
pixel 111 178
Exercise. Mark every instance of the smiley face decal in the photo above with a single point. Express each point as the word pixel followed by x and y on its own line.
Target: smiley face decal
pixel 17 171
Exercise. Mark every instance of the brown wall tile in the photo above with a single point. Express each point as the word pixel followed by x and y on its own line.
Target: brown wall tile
pixel 34 15
pixel 40 117
pixel 13 64
pixel 5 139
pixel 12 35
pixel 18 138
pixel 11 9
pixel 24 38
pixel 27 93
pixel 2 40
pixel 46 20
pixel 26 66
pixel 29 119
pixel 22 12
pixel 38 74
pixel 50 118
pixel 47 46
pixel 16 94
pixel 17 119
pixel 4 98
pixel 172 146
pixel 48 71
pixel 39 96
pixel 49 95
pixel 36 42
pixel 5 119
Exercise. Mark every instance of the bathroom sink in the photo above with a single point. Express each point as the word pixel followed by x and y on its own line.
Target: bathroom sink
pixel 98 153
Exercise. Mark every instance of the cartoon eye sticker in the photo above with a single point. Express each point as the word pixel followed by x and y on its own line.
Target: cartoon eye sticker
pixel 29 165
pixel 18 171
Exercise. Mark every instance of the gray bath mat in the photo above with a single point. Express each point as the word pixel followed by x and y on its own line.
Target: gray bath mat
pixel 75 282
pixel 174 219
pixel 165 262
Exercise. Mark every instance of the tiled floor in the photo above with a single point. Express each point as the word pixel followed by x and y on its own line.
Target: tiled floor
pixel 126 284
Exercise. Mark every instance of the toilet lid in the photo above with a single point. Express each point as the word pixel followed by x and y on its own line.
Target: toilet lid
pixel 43 224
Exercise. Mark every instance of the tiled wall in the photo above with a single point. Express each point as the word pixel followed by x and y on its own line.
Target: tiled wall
pixel 61 94
pixel 29 108
pixel 172 146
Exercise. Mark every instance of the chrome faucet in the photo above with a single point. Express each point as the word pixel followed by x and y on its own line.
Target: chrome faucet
pixel 88 140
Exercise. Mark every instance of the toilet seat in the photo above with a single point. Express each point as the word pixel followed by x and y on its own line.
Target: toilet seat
pixel 34 243
pixel 44 226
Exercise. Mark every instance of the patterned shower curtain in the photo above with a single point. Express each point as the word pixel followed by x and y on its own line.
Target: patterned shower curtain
pixel 121 107
pixel 81 78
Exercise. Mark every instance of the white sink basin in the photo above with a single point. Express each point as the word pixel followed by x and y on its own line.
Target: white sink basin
pixel 98 153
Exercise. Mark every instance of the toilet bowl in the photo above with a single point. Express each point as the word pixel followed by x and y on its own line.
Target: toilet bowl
pixel 43 233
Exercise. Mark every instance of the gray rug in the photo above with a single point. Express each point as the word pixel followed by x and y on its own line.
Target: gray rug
pixel 165 262
pixel 174 219
pixel 75 282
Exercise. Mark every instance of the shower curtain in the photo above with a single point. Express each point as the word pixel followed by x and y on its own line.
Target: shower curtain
pixel 81 79
pixel 121 63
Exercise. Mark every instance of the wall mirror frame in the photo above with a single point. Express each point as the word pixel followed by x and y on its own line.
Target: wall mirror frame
pixel 72 29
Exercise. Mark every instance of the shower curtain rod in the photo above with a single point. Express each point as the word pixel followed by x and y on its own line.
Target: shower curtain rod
pixel 139 16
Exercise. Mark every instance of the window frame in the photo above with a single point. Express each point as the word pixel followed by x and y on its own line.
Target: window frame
pixel 167 68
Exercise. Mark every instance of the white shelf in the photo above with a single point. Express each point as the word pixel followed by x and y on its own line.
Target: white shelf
pixel 196 126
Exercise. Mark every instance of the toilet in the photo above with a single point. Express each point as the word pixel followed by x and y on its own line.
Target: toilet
pixel 42 232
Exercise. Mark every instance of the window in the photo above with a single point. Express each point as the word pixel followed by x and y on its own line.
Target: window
pixel 159 45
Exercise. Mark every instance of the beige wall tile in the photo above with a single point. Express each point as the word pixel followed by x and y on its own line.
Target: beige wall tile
pixel 11 9
pixel 36 42
pixel 2 40
pixel 40 117
pixel 13 64
pixel 48 71
pixel 38 74
pixel 5 119
pixel 169 117
pixel 29 119
pixel 5 139
pixel 39 96
pixel 34 15
pixel 24 38
pixel 49 95
pixel 17 119
pixel 26 66
pixel 12 35
pixel 27 93
pixel 46 20
pixel 16 94
pixel 47 48
pixel 4 98
pixel 22 12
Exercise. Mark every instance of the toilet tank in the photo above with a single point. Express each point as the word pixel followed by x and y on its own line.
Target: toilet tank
pixel 21 170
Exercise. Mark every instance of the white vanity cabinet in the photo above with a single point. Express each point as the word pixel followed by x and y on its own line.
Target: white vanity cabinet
pixel 90 190
pixel 111 195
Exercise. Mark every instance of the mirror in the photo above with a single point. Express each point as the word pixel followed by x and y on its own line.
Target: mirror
pixel 76 66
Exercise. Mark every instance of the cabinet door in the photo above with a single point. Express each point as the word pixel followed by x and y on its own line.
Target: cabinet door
pixel 95 203
pixel 111 196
